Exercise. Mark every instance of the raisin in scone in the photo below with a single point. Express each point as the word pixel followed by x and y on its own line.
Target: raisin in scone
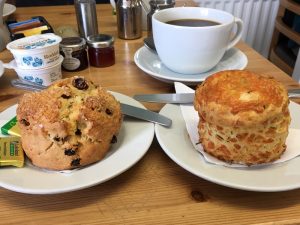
pixel 71 124
pixel 244 117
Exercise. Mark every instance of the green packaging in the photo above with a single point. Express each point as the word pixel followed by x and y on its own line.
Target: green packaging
pixel 11 128
pixel 11 152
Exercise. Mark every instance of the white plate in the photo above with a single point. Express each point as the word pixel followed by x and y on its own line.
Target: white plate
pixel 1 68
pixel 149 62
pixel 177 145
pixel 8 9
pixel 134 139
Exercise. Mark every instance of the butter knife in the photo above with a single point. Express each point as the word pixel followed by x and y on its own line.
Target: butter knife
pixel 127 110
pixel 144 114
pixel 184 98
pixel 166 98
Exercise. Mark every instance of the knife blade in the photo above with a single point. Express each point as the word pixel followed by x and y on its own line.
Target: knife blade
pixel 166 98
pixel 184 98
pixel 128 110
pixel 144 114
pixel 294 93
pixel 27 85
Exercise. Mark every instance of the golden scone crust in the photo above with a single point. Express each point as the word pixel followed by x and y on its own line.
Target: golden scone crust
pixel 68 125
pixel 244 117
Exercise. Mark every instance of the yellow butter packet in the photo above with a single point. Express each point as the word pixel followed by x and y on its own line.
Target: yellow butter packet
pixel 11 128
pixel 11 152
pixel 33 31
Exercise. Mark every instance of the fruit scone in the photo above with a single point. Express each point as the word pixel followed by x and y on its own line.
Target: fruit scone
pixel 71 124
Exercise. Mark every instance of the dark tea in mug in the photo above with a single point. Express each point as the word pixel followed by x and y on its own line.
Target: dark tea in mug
pixel 193 23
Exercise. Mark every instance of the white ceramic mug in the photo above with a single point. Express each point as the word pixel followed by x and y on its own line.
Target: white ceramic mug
pixel 192 50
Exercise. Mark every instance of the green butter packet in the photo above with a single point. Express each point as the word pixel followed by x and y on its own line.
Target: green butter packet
pixel 11 128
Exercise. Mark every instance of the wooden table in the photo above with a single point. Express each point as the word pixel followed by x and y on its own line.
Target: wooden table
pixel 156 190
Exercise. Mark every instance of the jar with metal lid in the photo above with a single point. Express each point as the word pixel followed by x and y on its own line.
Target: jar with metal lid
pixel 74 51
pixel 101 50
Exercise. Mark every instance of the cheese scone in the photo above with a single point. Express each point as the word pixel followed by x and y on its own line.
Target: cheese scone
pixel 244 117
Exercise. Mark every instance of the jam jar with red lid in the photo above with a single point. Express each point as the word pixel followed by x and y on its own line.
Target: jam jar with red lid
pixel 101 50
pixel 74 51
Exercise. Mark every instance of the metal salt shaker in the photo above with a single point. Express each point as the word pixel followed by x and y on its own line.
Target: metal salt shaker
pixel 129 19
pixel 86 17
pixel 157 5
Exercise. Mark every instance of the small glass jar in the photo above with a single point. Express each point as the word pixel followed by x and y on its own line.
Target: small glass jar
pixel 101 50
pixel 74 51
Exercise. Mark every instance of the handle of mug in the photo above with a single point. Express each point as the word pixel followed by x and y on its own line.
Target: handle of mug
pixel 238 33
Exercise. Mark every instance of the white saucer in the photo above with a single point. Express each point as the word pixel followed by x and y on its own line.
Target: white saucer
pixel 149 62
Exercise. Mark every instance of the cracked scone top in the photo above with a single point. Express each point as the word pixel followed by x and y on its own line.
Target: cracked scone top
pixel 244 117
pixel 71 124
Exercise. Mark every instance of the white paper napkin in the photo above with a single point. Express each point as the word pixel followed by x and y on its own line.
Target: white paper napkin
pixel 191 120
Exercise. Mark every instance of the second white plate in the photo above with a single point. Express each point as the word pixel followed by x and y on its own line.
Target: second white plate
pixel 177 145
pixel 1 68
pixel 150 63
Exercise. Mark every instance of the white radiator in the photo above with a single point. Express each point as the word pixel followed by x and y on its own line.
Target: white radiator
pixel 258 17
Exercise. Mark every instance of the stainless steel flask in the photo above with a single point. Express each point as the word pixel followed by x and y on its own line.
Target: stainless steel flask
pixel 129 19
pixel 157 5
pixel 86 17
